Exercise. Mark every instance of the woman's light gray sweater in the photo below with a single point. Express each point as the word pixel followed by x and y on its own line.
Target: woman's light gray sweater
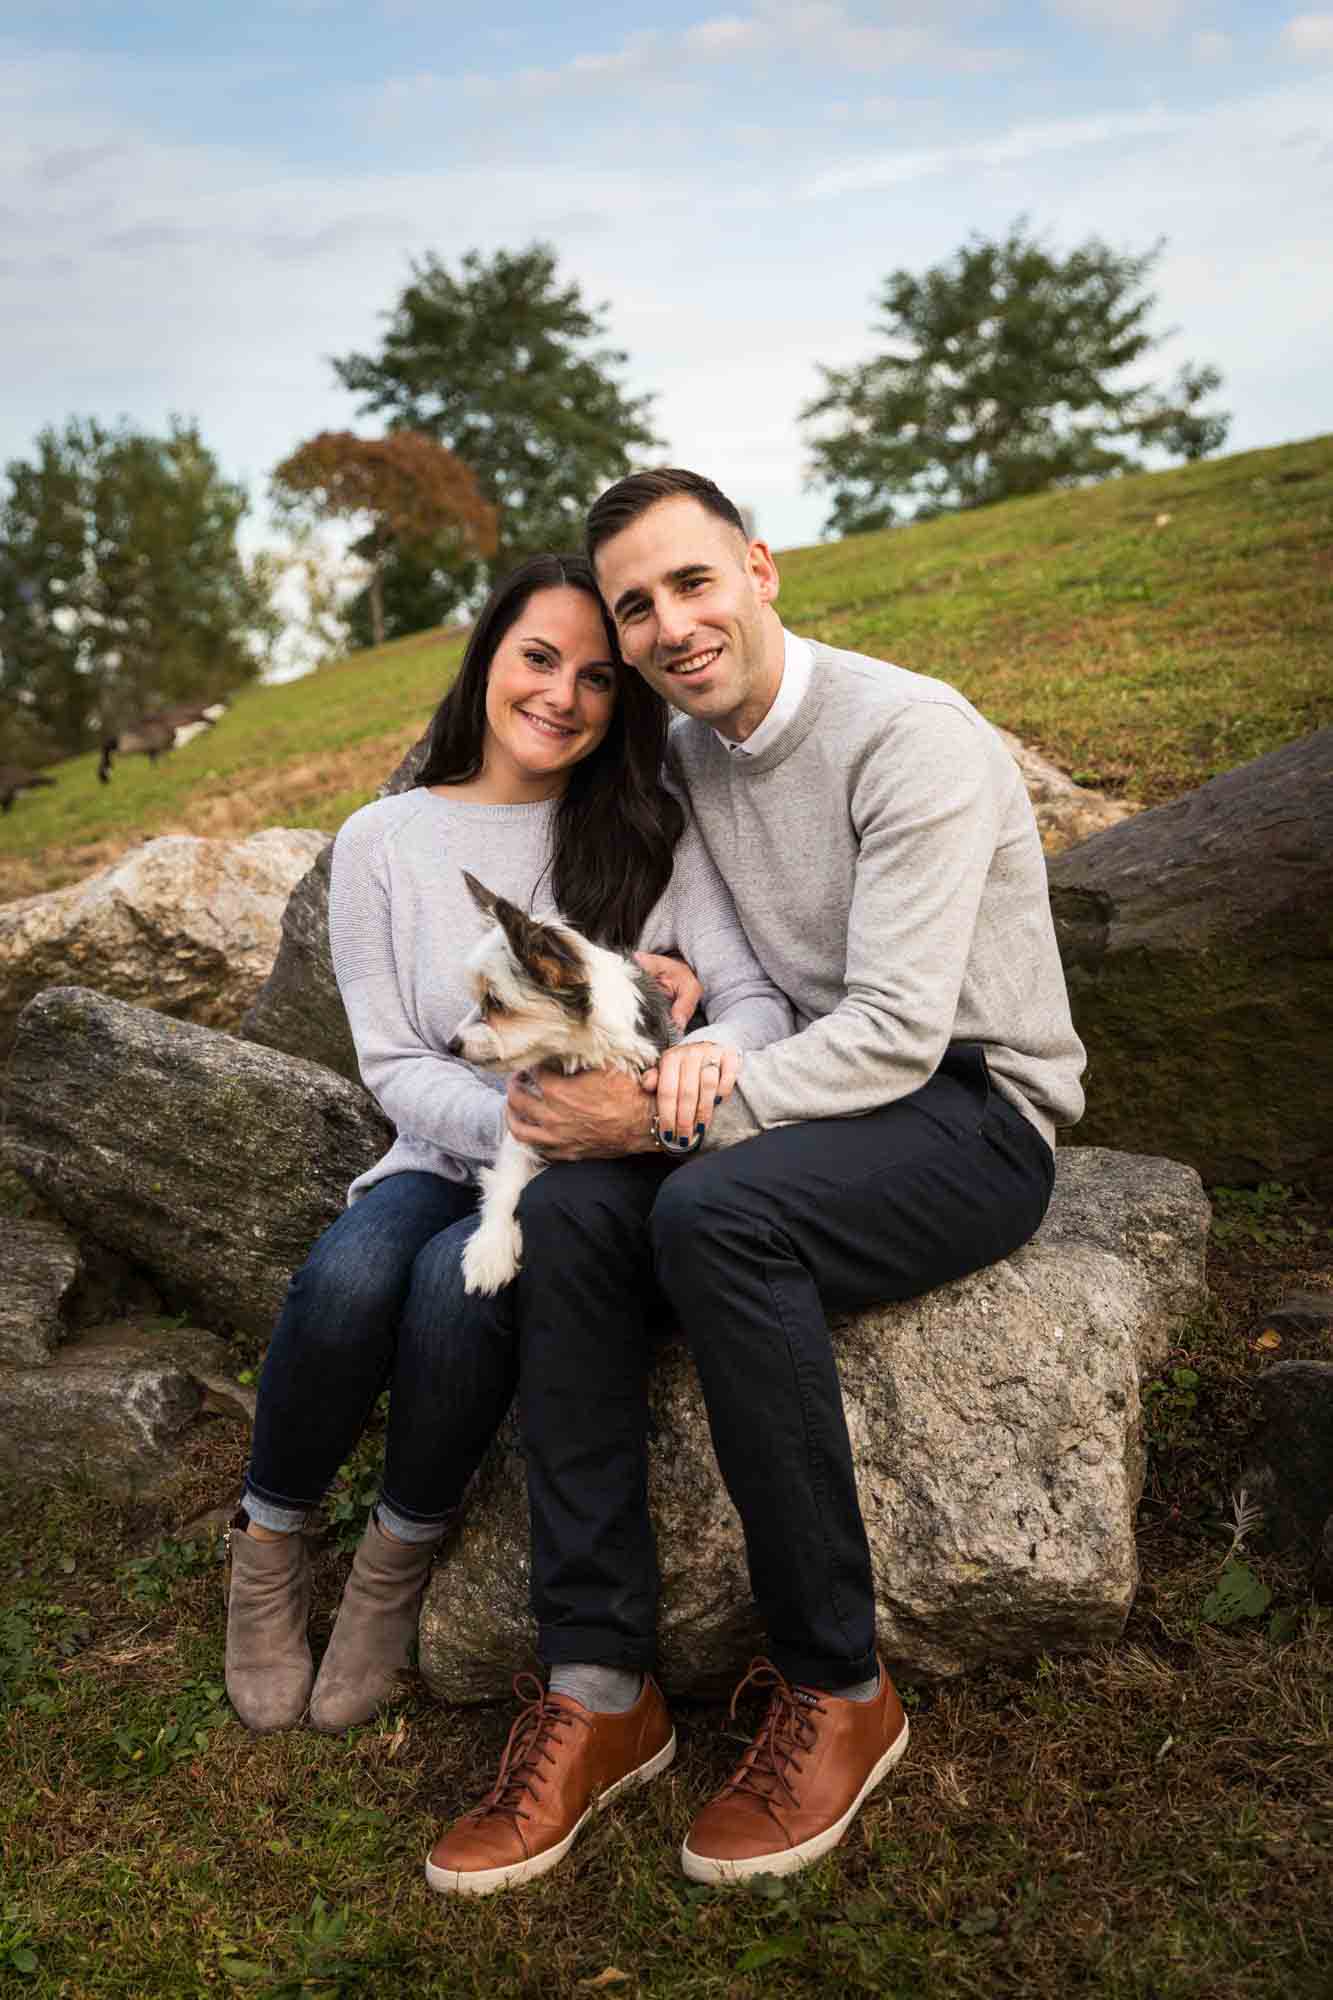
pixel 885 861
pixel 401 923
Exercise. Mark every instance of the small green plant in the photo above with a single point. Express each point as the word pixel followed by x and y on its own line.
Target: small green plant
pixel 138 1752
pixel 16 1952
pixel 151 1579
pixel 1257 1215
pixel 357 1486
pixel 1169 1405
pixel 1238 1593
pixel 35 1635
pixel 320 1961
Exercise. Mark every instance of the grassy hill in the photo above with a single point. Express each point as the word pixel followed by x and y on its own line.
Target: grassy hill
pixel 1145 635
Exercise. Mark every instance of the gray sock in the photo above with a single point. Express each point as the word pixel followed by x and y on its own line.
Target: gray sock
pixel 605 1690
pixel 859 1691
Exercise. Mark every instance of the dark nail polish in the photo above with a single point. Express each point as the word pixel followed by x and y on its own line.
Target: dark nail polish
pixel 670 1138
pixel 698 1131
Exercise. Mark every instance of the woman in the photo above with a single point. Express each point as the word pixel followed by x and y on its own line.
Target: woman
pixel 543 777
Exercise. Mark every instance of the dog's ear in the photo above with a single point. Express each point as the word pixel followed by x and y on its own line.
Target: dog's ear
pixel 554 963
pixel 480 895
pixel 516 925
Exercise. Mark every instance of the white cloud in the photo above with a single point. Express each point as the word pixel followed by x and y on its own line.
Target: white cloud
pixel 1211 46
pixel 1138 17
pixel 825 32
pixel 1020 143
pixel 722 35
pixel 1309 35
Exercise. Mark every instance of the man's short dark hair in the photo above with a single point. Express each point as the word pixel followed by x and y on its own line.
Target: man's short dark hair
pixel 632 496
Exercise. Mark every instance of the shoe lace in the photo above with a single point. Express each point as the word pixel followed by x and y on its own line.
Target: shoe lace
pixel 531 1745
pixel 787 1730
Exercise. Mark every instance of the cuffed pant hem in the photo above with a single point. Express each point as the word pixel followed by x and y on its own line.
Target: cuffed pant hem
pixel 586 1646
pixel 279 1516
pixel 817 1670
pixel 403 1527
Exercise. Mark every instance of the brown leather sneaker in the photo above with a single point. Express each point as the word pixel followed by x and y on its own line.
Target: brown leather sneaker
pixel 562 1762
pixel 799 1786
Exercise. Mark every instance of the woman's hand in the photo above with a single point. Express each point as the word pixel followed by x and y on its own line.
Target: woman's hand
pixel 692 1079
pixel 675 978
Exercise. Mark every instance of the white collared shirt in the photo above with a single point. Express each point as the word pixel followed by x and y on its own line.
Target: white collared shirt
pixel 798 663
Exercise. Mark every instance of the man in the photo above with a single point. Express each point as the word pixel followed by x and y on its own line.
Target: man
pixel 885 862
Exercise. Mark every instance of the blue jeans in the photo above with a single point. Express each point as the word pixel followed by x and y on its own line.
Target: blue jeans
pixel 379 1303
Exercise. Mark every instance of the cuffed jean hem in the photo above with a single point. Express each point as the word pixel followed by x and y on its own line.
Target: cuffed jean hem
pixel 282 1518
pixel 586 1646
pixel 816 1670
pixel 404 1528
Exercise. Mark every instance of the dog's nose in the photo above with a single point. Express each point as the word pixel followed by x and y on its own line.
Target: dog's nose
pixel 454 1046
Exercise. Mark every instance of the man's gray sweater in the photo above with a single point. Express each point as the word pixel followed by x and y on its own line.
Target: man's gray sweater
pixel 885 862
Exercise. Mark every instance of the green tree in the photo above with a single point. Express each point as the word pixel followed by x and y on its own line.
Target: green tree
pixel 504 364
pixel 121 587
pixel 1007 371
pixel 407 495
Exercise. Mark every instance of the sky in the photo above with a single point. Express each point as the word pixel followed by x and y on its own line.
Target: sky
pixel 200 204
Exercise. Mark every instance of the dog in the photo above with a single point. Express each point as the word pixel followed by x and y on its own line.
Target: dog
pixel 545 994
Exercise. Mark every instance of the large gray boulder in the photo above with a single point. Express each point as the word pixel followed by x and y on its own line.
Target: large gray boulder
pixel 183 924
pixel 52 1284
pixel 996 1429
pixel 1197 940
pixel 208 1162
pixel 1290 1474
pixel 39 1275
pixel 112 1408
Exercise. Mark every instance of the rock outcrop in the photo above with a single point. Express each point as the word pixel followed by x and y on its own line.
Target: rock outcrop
pixel 110 1404
pixel 41 1268
pixel 996 1429
pixel 1066 812
pixel 1291 1467
pixel 1197 940
pixel 204 1160
pixel 186 925
pixel 112 1407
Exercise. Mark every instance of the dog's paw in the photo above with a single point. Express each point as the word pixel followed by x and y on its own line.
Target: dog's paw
pixel 491 1258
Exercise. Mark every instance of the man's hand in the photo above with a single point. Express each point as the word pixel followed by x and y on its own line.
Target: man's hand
pixel 599 1114
pixel 675 978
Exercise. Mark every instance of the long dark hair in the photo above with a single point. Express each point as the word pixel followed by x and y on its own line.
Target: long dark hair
pixel 616 825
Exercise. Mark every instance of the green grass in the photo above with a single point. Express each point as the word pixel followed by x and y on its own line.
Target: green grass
pixel 1140 656
pixel 1143 658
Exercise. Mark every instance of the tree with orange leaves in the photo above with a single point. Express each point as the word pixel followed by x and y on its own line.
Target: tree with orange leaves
pixel 414 496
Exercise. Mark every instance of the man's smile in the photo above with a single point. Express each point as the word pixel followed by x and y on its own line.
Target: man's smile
pixel 695 664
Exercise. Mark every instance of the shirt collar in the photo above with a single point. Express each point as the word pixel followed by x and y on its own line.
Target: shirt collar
pixel 798 664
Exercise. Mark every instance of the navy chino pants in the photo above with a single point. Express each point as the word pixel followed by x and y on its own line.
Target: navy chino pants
pixel 749 1248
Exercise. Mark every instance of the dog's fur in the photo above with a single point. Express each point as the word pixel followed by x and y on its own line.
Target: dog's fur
pixel 547 996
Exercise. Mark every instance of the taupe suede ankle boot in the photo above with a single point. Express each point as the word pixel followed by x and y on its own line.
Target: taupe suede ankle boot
pixel 269 1668
pixel 375 1627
